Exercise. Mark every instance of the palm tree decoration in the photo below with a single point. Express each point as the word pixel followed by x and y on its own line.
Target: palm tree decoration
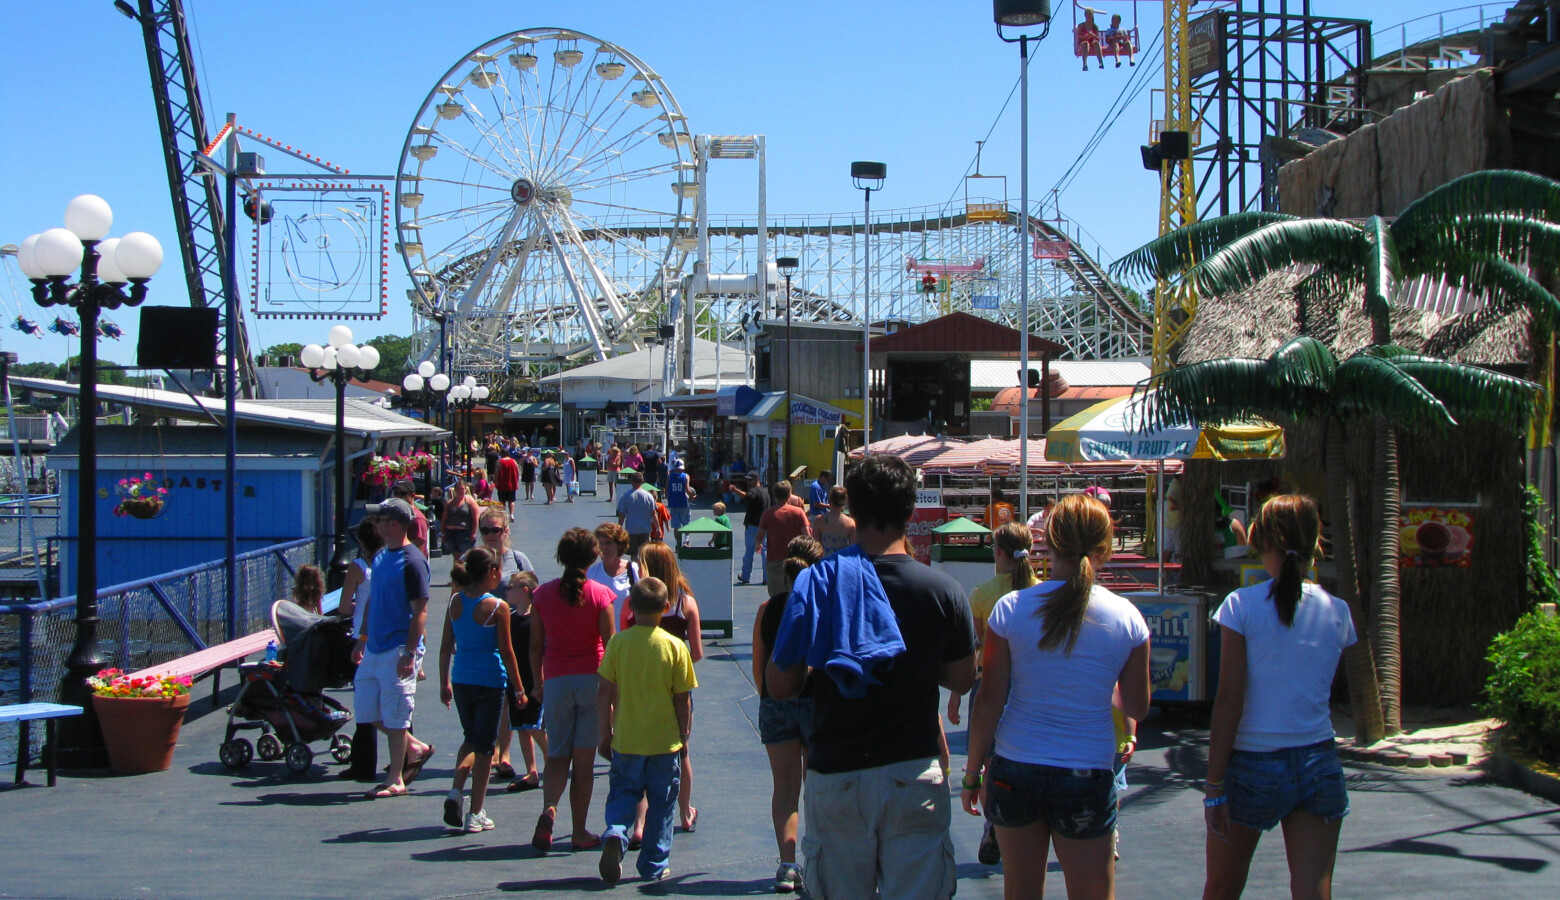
pixel 1476 233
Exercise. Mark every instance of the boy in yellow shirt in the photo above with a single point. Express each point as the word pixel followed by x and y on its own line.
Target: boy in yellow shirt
pixel 645 692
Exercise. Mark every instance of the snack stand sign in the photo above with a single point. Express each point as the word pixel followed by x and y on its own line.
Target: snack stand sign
pixel 1436 537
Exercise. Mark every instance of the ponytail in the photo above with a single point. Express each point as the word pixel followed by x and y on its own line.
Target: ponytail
pixel 577 549
pixel 1078 528
pixel 1013 540
pixel 1289 524
pixel 472 570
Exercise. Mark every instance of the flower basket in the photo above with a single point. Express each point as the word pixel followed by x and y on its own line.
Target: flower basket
pixel 140 718
pixel 140 507
pixel 140 498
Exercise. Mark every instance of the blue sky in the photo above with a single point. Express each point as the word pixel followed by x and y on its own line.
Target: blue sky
pixel 913 83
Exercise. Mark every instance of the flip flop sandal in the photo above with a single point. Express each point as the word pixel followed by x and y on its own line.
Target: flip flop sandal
pixel 593 843
pixel 692 824
pixel 385 792
pixel 414 768
pixel 635 843
pixel 541 839
pixel 528 783
pixel 504 770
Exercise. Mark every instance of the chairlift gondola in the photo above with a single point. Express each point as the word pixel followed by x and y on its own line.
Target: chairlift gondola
pixel 1090 40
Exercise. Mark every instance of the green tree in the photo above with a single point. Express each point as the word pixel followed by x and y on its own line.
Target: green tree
pixel 277 350
pixel 1472 231
pixel 395 357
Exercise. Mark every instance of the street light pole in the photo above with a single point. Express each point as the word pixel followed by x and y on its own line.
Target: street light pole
pixel 788 266
pixel 1023 14
pixel 339 362
pixel 106 266
pixel 868 176
pixel 421 387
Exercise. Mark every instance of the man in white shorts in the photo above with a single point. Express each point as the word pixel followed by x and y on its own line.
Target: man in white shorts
pixel 390 648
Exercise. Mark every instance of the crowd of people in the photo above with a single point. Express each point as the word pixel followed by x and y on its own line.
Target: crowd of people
pixel 850 653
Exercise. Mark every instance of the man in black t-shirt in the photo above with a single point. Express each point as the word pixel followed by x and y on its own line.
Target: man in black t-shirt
pixel 757 498
pixel 877 804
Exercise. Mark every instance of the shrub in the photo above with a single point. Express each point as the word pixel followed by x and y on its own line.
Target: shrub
pixel 1523 688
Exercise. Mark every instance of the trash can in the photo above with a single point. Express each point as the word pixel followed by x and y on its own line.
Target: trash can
pixel 962 548
pixel 585 471
pixel 704 555
pixel 1179 628
pixel 623 474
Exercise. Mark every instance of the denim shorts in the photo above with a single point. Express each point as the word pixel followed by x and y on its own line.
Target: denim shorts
pixel 1265 787
pixel 785 720
pixel 1079 804
pixel 478 707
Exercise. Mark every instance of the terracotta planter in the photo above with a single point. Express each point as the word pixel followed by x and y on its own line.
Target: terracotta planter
pixel 140 732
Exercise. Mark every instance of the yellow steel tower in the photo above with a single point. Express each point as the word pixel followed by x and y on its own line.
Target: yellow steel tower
pixel 1175 307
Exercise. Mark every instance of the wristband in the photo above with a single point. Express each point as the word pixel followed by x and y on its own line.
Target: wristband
pixel 971 781
pixel 1209 782
pixel 1211 802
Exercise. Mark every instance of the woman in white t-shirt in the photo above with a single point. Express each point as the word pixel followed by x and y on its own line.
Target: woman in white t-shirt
pixel 1271 757
pixel 1052 659
pixel 613 569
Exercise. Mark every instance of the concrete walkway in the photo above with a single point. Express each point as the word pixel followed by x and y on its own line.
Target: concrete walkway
pixel 201 831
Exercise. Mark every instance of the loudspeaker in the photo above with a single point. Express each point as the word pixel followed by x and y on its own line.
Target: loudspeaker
pixel 1151 158
pixel 177 337
pixel 1175 144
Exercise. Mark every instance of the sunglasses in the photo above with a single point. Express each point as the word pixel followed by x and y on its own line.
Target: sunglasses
pixel 492 530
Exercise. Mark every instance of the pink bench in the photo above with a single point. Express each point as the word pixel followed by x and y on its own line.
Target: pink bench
pixel 212 659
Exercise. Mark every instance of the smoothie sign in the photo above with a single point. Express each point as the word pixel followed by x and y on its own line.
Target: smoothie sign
pixel 1435 537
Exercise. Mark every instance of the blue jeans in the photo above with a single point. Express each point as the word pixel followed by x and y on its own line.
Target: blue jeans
pixel 655 778
pixel 1264 788
pixel 747 555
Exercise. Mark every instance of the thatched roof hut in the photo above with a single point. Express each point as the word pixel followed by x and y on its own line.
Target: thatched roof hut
pixel 1449 615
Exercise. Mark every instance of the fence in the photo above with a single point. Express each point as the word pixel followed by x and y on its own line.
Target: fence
pixel 142 623
pixel 17 546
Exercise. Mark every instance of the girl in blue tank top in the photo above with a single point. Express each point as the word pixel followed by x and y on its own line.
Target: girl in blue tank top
pixel 474 659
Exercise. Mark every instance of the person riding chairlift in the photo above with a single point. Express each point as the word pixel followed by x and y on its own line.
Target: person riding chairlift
pixel 1117 41
pixel 1086 39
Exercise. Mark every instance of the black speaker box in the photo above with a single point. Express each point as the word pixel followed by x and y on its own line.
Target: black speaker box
pixel 177 337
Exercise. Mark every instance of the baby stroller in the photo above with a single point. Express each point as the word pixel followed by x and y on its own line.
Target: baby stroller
pixel 285 699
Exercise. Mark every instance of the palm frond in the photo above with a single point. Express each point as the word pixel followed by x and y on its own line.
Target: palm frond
pixel 1304 363
pixel 1474 393
pixel 1514 236
pixel 1172 254
pixel 1319 298
pixel 1371 385
pixel 1330 244
pixel 1381 268
pixel 1213 392
pixel 1507 285
pixel 1492 191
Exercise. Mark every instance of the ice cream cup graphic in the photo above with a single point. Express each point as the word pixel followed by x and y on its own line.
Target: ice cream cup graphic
pixel 1433 538
pixel 1162 664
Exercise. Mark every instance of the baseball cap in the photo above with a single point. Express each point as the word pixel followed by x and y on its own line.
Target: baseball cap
pixel 405 484
pixel 752 476
pixel 396 509
pixel 678 464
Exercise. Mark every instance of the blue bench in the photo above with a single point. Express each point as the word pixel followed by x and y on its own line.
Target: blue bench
pixel 23 714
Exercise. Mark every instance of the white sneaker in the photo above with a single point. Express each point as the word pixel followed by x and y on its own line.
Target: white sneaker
pixel 788 878
pixel 452 806
pixel 478 821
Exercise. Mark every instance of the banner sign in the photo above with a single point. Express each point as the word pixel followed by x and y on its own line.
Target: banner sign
pixel 1436 537
pixel 805 413
pixel 919 531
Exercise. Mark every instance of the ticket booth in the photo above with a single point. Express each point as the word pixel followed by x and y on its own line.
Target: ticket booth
pixel 586 472
pixel 704 554
pixel 962 548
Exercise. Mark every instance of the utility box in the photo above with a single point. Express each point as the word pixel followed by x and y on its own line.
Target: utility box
pixel 704 554
pixel 586 471
pixel 962 548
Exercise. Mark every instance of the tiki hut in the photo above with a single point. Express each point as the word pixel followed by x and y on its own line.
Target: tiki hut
pixel 1448 614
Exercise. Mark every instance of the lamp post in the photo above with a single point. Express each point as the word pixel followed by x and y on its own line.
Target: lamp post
pixel 788 266
pixel 868 176
pixel 464 397
pixel 1023 14
pixel 421 387
pixel 106 267
pixel 339 362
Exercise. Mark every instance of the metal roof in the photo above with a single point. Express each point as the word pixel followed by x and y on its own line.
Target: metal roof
pixel 647 365
pixel 195 440
pixel 362 419
pixel 960 332
pixel 994 375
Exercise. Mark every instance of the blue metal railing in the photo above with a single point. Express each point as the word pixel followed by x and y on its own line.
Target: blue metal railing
pixel 144 622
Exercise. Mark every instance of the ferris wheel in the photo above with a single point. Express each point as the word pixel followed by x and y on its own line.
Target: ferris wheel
pixel 541 196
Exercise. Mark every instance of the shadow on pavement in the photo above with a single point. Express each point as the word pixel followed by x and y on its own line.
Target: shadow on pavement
pixel 478 853
pixel 388 835
pixel 555 884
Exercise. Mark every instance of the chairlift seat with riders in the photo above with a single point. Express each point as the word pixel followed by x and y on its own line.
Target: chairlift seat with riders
pixel 1091 40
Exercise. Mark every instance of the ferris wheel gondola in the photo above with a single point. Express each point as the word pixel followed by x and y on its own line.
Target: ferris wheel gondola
pixel 540 197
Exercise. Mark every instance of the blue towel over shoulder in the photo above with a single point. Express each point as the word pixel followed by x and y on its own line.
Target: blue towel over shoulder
pixel 838 619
